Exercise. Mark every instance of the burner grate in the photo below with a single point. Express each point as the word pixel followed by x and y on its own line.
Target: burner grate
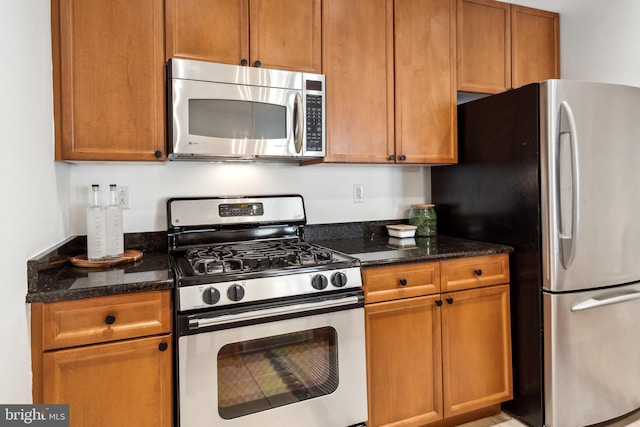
pixel 255 256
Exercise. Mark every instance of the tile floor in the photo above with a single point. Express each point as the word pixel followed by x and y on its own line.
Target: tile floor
pixel 505 420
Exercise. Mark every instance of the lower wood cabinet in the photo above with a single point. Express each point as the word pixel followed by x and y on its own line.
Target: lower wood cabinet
pixel 121 383
pixel 404 361
pixel 109 358
pixel 439 356
pixel 476 349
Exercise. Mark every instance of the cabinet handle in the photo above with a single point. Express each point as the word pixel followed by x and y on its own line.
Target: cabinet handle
pixel 403 158
pixel 439 303
pixel 158 154
pixel 110 319
pixel 163 346
pixel 449 300
pixel 403 282
pixel 477 272
pixel 257 64
pixel 392 157
pixel 244 62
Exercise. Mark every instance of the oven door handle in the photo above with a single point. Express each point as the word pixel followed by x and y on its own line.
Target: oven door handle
pixel 197 322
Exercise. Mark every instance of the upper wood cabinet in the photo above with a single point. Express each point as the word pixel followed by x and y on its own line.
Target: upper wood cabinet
pixel 109 89
pixel 357 58
pixel 483 46
pixel 282 34
pixel 425 83
pixel 390 80
pixel 535 43
pixel 501 46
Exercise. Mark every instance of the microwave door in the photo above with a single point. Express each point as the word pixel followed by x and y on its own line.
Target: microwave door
pixel 236 121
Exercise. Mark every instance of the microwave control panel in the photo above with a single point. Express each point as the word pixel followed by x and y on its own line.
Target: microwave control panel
pixel 314 123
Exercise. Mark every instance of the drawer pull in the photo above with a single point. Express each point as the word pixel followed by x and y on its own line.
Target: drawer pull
pixel 439 303
pixel 110 319
pixel 163 346
pixel 478 272
pixel 449 300
pixel 403 282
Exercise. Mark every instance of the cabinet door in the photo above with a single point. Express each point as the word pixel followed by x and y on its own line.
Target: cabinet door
pixel 108 59
pixel 535 43
pixel 483 46
pixel 357 59
pixel 404 362
pixel 286 34
pixel 208 30
pixel 122 383
pixel 127 383
pixel 425 89
pixel 476 349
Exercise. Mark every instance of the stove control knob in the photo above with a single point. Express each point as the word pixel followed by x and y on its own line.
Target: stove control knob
pixel 339 279
pixel 319 282
pixel 235 292
pixel 211 296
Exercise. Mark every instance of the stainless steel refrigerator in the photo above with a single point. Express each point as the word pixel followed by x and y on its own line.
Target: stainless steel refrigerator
pixel 553 169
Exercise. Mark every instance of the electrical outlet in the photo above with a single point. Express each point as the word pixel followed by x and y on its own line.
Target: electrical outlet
pixel 358 193
pixel 122 193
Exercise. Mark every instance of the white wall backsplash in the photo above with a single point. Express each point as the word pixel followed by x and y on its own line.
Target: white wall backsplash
pixel 327 189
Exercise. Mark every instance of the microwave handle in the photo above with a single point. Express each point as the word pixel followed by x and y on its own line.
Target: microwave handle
pixel 298 123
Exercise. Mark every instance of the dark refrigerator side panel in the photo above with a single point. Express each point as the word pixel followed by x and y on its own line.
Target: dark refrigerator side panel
pixel 493 195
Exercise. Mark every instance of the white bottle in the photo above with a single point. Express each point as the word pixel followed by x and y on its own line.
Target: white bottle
pixel 96 227
pixel 115 236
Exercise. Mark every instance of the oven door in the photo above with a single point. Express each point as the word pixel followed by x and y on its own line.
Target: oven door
pixel 289 365
pixel 236 121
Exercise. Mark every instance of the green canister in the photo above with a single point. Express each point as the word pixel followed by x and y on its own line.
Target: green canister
pixel 423 217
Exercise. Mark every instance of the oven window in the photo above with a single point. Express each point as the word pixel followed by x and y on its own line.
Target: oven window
pixel 231 119
pixel 265 373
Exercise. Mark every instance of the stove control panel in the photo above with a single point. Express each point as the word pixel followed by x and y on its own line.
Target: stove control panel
pixel 202 296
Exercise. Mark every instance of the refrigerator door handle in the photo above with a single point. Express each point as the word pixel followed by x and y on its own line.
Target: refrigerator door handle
pixel 595 302
pixel 567 184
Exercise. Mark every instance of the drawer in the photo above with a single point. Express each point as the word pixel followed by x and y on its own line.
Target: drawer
pixel 102 319
pixel 400 281
pixel 474 272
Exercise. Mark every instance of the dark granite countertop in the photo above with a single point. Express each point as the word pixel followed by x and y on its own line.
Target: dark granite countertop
pixel 381 250
pixel 51 277
pixel 371 244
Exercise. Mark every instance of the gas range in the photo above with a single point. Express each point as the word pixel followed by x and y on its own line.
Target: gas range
pixel 236 251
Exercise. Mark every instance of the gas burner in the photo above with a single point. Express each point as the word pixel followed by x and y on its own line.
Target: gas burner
pixel 255 256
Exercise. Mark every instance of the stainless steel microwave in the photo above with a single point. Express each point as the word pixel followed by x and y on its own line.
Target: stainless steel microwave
pixel 219 112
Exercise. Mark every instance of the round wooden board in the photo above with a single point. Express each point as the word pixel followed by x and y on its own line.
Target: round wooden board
pixel 129 255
